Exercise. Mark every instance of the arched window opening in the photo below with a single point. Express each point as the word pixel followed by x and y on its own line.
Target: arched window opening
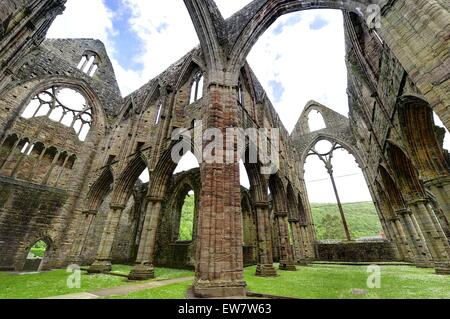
pixel 442 132
pixel 240 93
pixel 316 121
pixel 187 163
pixel 145 176
pixel 341 202
pixel 27 149
pixel 245 180
pixel 35 256
pixel 89 64
pixel 197 88
pixel 186 230
pixel 62 105
pixel 158 115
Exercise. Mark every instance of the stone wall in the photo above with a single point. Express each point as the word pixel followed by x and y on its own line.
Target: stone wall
pixel 356 252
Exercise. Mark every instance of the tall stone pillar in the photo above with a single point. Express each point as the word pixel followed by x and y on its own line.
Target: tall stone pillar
pixel 83 233
pixel 299 253
pixel 399 239
pixel 102 262
pixel 392 235
pixel 405 243
pixel 220 266
pixel 265 266
pixel 308 246
pixel 286 255
pixel 144 268
pixel 422 257
pixel 434 235
pixel 440 187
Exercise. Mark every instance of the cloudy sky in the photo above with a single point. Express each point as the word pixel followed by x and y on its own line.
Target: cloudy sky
pixel 300 58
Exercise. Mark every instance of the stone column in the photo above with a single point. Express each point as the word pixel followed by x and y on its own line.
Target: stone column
pixel 434 235
pixel 440 187
pixel 299 252
pixel 422 257
pixel 307 244
pixel 82 234
pixel 286 255
pixel 408 250
pixel 398 240
pixel 102 262
pixel 219 262
pixel 265 266
pixel 144 268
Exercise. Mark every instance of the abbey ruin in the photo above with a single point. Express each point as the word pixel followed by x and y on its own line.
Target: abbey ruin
pixel 70 167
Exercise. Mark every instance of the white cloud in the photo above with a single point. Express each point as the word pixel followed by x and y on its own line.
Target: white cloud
pixel 309 64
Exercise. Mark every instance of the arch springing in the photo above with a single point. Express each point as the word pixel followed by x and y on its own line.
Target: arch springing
pixel 62 105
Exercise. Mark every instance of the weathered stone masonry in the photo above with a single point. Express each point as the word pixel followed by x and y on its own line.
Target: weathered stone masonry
pixel 82 196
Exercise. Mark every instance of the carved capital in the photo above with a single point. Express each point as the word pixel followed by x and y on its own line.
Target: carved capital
pixel 90 212
pixel 404 211
pixel 155 199
pixel 262 205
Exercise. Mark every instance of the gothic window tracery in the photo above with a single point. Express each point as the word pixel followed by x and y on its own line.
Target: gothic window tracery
pixel 62 105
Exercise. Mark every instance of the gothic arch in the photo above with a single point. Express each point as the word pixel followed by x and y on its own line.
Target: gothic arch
pixel 416 121
pixel 123 188
pixel 345 144
pixel 267 12
pixel 99 190
pixel 405 172
pixel 278 193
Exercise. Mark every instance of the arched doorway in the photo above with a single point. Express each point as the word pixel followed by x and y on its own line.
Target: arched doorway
pixel 36 255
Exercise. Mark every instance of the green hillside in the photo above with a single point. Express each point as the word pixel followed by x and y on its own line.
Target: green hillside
pixel 362 220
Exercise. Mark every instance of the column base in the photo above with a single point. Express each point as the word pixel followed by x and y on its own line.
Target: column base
pixel 142 272
pixel 100 267
pixel 287 266
pixel 443 268
pixel 303 263
pixel 266 270
pixel 218 289
pixel 424 264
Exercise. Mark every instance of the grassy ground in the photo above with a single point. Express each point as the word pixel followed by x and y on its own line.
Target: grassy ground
pixel 315 282
pixel 175 291
pixel 337 282
pixel 54 283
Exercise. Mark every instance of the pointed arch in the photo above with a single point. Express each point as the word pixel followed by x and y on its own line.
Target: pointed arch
pixel 100 190
pixel 405 173
pixel 419 131
pixel 124 186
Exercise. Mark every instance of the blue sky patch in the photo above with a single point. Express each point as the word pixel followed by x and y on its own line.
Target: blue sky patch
pixel 126 41
pixel 318 23
pixel 277 90
pixel 291 21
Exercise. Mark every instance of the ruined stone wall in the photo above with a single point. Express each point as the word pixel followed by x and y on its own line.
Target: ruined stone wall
pixel 371 252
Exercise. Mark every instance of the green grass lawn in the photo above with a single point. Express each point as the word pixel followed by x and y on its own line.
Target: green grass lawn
pixel 315 282
pixel 54 283
pixel 337 282
pixel 175 291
